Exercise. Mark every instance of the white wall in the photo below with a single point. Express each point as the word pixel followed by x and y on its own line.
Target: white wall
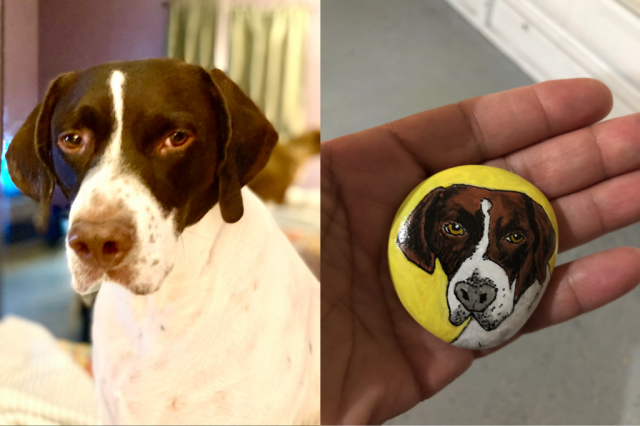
pixel 554 39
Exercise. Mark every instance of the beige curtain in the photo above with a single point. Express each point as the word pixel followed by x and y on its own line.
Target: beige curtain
pixel 267 55
pixel 192 31
pixel 267 51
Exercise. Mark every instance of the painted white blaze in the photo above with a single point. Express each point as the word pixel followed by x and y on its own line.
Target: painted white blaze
pixel 484 269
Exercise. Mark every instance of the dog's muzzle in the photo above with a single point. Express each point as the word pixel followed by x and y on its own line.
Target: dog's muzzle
pixel 476 293
pixel 102 245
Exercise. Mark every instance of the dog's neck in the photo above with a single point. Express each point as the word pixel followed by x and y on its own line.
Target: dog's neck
pixel 227 309
pixel 197 279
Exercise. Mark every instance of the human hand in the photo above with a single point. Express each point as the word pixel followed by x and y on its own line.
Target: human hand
pixel 377 362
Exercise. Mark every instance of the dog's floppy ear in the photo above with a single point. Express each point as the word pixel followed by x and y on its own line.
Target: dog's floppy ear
pixel 546 241
pixel 412 238
pixel 247 145
pixel 29 157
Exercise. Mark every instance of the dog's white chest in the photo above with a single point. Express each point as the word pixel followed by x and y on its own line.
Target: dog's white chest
pixel 228 339
pixel 154 153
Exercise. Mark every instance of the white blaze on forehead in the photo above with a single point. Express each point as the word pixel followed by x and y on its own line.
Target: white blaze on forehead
pixel 108 182
pixel 483 245
pixel 116 82
pixel 477 264
pixel 107 169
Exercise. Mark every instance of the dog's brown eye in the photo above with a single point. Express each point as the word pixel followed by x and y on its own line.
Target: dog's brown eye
pixel 179 138
pixel 74 141
pixel 515 238
pixel 454 228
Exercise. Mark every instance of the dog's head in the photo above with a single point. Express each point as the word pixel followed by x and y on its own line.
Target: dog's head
pixel 492 246
pixel 144 149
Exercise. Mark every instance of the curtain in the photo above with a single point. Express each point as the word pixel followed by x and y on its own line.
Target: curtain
pixel 267 51
pixel 266 58
pixel 192 31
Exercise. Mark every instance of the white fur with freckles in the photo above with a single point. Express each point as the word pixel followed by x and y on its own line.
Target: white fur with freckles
pixel 220 342
pixel 476 337
pixel 477 263
pixel 510 317
pixel 109 182
pixel 229 328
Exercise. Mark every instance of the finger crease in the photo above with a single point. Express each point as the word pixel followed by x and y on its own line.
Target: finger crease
pixel 544 112
pixel 476 131
pixel 596 142
pixel 571 286
pixel 391 128
pixel 598 213
pixel 509 163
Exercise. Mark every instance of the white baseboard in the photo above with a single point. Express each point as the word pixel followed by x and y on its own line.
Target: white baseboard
pixel 545 50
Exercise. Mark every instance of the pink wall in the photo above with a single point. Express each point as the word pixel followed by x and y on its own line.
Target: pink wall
pixel 20 61
pixel 77 34
pixel 48 37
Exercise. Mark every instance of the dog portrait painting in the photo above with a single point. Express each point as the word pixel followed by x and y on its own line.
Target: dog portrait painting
pixel 494 247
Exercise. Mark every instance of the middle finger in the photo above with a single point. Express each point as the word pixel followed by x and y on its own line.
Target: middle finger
pixel 579 159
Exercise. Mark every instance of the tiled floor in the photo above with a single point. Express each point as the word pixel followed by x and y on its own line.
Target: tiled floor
pixel 382 60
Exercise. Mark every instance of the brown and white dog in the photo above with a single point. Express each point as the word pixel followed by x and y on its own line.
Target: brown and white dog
pixel 205 314
pixel 494 247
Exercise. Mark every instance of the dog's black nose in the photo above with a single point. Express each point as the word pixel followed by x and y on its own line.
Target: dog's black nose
pixel 475 296
pixel 102 245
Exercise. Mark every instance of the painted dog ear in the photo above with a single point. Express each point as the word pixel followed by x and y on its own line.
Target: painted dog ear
pixel 412 238
pixel 29 159
pixel 546 241
pixel 247 141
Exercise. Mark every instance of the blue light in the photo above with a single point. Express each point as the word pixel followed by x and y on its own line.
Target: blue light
pixel 6 185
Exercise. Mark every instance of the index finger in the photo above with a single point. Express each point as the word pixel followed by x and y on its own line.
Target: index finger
pixel 479 129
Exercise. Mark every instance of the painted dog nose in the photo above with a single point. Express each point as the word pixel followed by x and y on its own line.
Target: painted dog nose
pixel 475 297
pixel 102 245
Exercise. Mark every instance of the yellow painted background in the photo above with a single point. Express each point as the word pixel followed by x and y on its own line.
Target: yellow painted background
pixel 424 295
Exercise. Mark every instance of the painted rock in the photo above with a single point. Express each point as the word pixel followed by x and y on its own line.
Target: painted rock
pixel 471 252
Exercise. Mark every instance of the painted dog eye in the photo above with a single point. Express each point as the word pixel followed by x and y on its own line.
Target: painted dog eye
pixel 454 228
pixel 515 238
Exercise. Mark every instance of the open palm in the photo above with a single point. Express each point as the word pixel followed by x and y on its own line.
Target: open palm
pixel 377 362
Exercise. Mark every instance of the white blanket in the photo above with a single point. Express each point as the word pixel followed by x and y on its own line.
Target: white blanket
pixel 39 382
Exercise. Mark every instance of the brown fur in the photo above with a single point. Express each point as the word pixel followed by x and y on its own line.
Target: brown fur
pixel 425 238
pixel 286 158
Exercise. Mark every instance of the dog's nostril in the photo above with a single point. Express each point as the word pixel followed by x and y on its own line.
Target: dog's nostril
pixel 102 244
pixel 110 248
pixel 474 298
pixel 80 248
pixel 465 295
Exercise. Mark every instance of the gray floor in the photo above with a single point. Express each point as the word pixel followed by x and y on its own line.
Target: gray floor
pixel 382 60
pixel 37 285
